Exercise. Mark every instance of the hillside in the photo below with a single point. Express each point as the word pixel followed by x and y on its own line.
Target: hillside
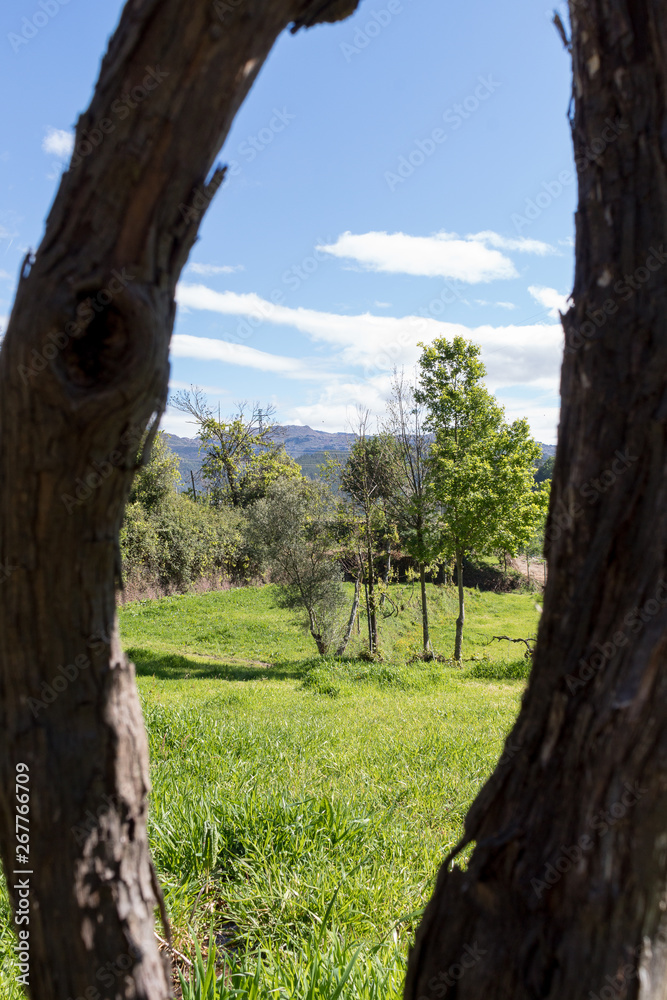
pixel 301 442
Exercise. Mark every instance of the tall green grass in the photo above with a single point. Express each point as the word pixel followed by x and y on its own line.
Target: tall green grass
pixel 301 807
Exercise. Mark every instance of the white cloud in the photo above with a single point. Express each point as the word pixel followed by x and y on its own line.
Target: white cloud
pixel 181 424
pixel 550 299
pixel 334 406
pixel 206 349
pixel 443 255
pixel 521 243
pixel 58 142
pixel 513 354
pixel 5 276
pixel 500 305
pixel 541 412
pixel 208 269
pixel 208 390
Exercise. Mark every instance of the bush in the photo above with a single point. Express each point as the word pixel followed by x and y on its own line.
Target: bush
pixel 500 670
pixel 170 541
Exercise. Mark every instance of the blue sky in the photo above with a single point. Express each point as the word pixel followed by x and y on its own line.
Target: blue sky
pixel 402 175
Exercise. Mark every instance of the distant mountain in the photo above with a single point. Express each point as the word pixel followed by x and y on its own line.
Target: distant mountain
pixel 300 443
pixel 187 450
pixel 304 440
pixel 548 450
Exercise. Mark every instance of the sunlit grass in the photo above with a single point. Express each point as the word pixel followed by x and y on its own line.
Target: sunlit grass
pixel 301 807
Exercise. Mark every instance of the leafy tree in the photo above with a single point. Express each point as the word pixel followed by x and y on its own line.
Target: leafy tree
pixel 412 500
pixel 291 529
pixel 169 541
pixel 158 478
pixel 368 478
pixel 482 468
pixel 545 469
pixel 241 456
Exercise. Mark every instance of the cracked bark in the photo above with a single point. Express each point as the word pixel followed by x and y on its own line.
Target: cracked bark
pixel 73 408
pixel 593 722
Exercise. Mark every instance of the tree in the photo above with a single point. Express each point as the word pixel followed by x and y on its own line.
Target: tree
pixel 83 372
pixel 167 539
pixel 482 468
pixel 563 893
pixel 292 529
pixel 368 478
pixel 158 478
pixel 241 456
pixel 412 498
pixel 545 469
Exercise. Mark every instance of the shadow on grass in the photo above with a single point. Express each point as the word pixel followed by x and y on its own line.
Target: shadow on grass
pixel 174 667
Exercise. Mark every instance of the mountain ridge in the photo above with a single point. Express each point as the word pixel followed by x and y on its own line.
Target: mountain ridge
pixel 299 440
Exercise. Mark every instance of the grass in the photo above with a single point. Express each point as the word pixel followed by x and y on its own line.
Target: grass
pixel 301 807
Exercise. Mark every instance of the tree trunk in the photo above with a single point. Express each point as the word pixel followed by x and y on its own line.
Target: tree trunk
pixel 368 619
pixel 83 371
pixel 458 646
pixel 528 567
pixel 372 602
pixel 426 638
pixel 564 894
pixel 351 620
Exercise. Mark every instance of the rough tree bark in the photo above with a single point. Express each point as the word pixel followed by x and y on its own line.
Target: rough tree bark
pixel 460 621
pixel 83 372
pixel 427 648
pixel 565 893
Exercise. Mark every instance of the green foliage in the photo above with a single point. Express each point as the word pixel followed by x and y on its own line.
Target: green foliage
pixel 156 481
pixel 241 458
pixel 493 670
pixel 168 539
pixel 482 467
pixel 291 531
pixel 545 470
pixel 370 472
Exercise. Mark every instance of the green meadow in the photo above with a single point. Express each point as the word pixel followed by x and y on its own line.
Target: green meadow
pixel 301 807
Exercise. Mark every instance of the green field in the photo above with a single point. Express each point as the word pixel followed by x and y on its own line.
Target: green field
pixel 300 807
